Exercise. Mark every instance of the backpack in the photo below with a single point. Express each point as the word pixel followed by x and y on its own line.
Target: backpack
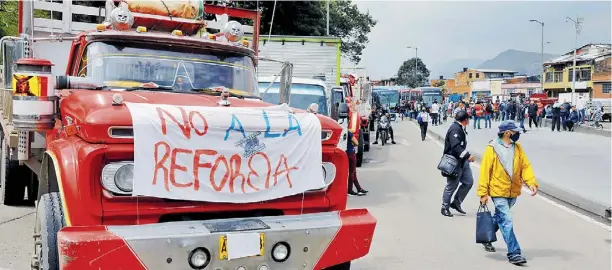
pixel 489 108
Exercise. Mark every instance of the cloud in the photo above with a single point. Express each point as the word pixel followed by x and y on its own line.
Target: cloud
pixel 444 31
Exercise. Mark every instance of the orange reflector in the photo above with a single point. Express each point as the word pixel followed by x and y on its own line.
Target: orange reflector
pixel 177 33
pixel 141 29
pixel 70 130
pixel 100 27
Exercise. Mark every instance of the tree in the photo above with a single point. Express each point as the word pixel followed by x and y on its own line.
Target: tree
pixel 345 21
pixel 406 74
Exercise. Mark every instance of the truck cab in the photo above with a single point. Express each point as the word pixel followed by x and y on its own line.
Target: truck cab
pixel 304 92
pixel 89 166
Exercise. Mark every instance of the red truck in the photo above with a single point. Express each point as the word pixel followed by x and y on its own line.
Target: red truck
pixel 75 139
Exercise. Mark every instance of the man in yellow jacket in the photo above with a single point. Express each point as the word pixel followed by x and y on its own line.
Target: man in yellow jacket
pixel 503 171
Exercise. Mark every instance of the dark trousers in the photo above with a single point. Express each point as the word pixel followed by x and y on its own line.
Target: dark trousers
pixel 570 125
pixel 466 180
pixel 434 119
pixel 556 121
pixel 423 129
pixel 352 179
pixel 533 118
pixel 564 120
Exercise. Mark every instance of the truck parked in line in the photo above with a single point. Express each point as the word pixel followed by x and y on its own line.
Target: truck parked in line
pixel 69 144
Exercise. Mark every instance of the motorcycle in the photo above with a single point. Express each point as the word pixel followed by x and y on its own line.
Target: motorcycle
pixel 383 128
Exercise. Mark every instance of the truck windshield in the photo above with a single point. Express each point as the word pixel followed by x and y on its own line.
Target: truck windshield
pixel 127 65
pixel 302 95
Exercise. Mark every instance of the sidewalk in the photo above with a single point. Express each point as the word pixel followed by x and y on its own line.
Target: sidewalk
pixel 586 128
pixel 572 167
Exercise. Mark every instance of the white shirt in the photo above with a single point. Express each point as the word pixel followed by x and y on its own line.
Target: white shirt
pixel 424 116
pixel 435 107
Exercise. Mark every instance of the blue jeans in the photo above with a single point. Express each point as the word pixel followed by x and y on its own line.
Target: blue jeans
pixel 581 114
pixel 522 123
pixel 487 120
pixel 476 119
pixel 503 220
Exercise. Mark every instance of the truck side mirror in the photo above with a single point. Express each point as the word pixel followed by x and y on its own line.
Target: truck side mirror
pixel 285 83
pixel 343 111
pixel 13 49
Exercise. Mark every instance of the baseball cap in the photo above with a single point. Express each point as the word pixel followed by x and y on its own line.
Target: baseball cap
pixel 509 125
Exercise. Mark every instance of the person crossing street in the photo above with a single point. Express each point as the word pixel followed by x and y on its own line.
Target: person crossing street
pixel 455 144
pixel 503 170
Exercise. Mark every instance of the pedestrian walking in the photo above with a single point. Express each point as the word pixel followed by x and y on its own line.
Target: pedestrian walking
pixel 478 113
pixel 532 111
pixel 455 144
pixel 556 117
pixel 502 109
pixel 511 110
pixel 351 144
pixel 496 110
pixel 488 114
pixel 540 112
pixel 520 114
pixel 503 170
pixel 423 120
pixel 435 108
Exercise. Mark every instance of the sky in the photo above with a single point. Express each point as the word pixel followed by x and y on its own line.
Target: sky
pixel 443 31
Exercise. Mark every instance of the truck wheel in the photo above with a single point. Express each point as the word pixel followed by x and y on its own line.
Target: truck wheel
pixel 366 142
pixel 49 220
pixel 360 150
pixel 12 188
pixel 342 266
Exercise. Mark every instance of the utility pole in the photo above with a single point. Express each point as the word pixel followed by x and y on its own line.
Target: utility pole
pixel 542 55
pixel 416 61
pixel 327 3
pixel 577 25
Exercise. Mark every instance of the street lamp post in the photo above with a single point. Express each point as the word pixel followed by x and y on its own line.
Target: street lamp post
pixel 542 55
pixel 416 62
pixel 577 26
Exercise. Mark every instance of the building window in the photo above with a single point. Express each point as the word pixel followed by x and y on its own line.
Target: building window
pixel 549 77
pixel 470 76
pixel 477 75
pixel 582 75
pixel 605 88
pixel 558 76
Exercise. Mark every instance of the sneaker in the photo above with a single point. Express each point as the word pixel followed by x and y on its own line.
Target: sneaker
pixel 393 142
pixel 363 191
pixel 375 142
pixel 517 260
pixel 488 247
pixel 352 193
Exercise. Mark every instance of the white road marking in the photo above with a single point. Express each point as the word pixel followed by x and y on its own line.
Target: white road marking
pixel 560 206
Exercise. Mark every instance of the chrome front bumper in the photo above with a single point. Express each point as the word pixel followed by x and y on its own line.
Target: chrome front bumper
pixel 168 245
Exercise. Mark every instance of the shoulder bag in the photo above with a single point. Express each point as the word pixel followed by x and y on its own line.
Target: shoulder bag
pixel 449 166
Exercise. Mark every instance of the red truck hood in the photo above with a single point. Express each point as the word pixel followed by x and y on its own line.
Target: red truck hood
pixel 94 114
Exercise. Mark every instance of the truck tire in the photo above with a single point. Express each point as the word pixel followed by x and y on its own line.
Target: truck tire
pixel 366 142
pixel 342 266
pixel 360 150
pixel 49 220
pixel 12 188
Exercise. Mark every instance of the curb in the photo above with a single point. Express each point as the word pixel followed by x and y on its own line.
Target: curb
pixel 585 129
pixel 592 207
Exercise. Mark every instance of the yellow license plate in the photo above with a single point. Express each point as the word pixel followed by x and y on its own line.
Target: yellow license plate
pixel 223 246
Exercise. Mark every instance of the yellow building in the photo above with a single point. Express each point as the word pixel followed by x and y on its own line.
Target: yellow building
pixel 558 72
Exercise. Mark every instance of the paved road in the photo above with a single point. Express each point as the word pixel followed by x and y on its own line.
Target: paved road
pixel 574 167
pixel 405 190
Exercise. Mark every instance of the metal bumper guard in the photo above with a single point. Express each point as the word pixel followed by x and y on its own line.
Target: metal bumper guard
pixel 317 241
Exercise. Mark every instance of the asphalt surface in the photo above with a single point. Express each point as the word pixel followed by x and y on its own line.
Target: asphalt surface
pixel 571 166
pixel 405 193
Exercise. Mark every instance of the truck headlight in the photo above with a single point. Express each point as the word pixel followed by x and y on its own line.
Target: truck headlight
pixel 118 177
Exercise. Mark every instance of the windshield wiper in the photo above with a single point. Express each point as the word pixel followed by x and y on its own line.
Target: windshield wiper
pixel 214 92
pixel 163 88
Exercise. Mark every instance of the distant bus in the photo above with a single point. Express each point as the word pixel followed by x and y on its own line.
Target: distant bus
pixel 429 94
pixel 386 96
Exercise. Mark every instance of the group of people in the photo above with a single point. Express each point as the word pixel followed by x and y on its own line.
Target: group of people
pixel 436 111
pixel 503 170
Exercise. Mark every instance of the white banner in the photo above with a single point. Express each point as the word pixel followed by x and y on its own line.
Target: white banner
pixel 224 154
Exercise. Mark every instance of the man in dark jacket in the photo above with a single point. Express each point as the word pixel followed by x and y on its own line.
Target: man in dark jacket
pixel 511 110
pixel 556 117
pixel 520 114
pixel 455 144
pixel 565 110
pixel 533 114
